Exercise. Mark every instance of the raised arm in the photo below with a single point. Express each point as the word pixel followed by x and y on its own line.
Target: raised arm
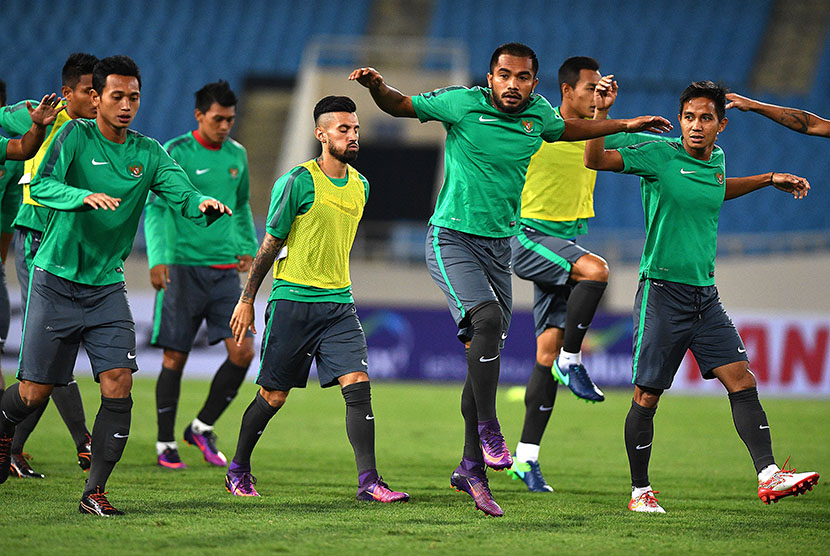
pixel 388 99
pixel 789 183
pixel 243 313
pixel 44 114
pixel 793 118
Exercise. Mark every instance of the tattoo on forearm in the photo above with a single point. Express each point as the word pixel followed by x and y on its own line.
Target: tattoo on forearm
pixel 262 263
pixel 797 120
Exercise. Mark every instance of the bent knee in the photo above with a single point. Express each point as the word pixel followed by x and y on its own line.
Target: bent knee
pixel 590 267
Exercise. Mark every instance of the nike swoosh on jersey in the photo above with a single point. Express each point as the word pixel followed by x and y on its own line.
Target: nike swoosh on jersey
pixel 97 163
pixel 351 210
pixel 200 171
pixel 483 119
pixel 684 172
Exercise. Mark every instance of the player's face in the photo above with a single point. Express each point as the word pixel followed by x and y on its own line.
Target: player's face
pixel 580 98
pixel 700 124
pixel 339 134
pixel 79 98
pixel 512 82
pixel 118 103
pixel 216 123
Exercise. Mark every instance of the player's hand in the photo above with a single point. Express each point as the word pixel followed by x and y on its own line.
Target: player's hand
pixel 46 112
pixel 737 101
pixel 790 183
pixel 244 263
pixel 102 201
pixel 605 93
pixel 656 124
pixel 160 276
pixel 241 320
pixel 368 77
pixel 212 206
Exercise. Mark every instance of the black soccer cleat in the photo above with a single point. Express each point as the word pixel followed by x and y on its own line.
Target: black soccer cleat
pixel 20 466
pixel 96 503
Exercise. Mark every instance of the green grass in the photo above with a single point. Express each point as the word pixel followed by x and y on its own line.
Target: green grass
pixel 307 480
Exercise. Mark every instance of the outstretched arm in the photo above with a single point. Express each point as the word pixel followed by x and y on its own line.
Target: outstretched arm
pixel 388 99
pixel 26 147
pixel 789 183
pixel 243 313
pixel 793 118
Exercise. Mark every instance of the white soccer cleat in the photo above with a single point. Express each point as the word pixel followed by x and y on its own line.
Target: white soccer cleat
pixel 646 503
pixel 786 482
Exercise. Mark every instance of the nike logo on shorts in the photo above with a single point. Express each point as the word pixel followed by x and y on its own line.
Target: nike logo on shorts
pixel 487 360
pixel 130 355
pixel 741 350
pixel 638 447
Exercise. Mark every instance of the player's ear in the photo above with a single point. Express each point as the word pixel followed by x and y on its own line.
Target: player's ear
pixel 66 91
pixel 722 124
pixel 490 80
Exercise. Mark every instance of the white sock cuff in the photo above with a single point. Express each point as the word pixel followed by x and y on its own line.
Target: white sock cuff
pixel 162 446
pixel 527 452
pixel 200 428
pixel 566 358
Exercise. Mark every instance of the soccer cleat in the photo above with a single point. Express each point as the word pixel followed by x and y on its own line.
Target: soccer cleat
pixel 493 447
pixel 576 378
pixel 530 473
pixel 378 491
pixel 241 484
pixel 786 482
pixel 21 467
pixel 5 455
pixel 478 487
pixel 646 503
pixel 96 503
pixel 207 444
pixel 170 459
pixel 85 454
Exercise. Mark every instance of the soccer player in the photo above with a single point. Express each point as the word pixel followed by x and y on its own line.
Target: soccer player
pixel 793 118
pixel 77 292
pixel 314 214
pixel 76 77
pixel 568 280
pixel 196 272
pixel 677 305
pixel 491 134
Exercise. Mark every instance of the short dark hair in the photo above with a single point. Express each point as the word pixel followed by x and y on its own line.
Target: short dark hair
pixel 333 104
pixel 219 92
pixel 707 89
pixel 76 66
pixel 515 49
pixel 113 65
pixel 2 93
pixel 570 68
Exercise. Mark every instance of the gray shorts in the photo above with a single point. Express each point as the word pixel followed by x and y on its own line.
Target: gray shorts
pixel 297 333
pixel 60 315
pixel 546 261
pixel 670 318
pixel 470 270
pixel 26 244
pixel 194 294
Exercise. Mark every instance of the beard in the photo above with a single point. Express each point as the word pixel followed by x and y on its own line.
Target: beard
pixel 510 109
pixel 346 156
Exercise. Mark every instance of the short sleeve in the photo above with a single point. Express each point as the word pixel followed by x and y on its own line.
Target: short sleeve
pixel 643 159
pixel 293 194
pixel 554 126
pixel 449 104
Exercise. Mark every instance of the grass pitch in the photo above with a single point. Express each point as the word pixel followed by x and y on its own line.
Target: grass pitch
pixel 307 480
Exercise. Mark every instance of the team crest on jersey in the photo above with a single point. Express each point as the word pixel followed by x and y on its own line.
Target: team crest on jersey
pixel 136 170
pixel 719 176
pixel 528 125
pixel 234 172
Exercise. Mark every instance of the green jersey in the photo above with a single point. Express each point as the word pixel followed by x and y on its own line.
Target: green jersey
pixel 4 142
pixel 292 196
pixel 682 198
pixel 486 156
pixel 221 173
pixel 89 246
pixel 10 189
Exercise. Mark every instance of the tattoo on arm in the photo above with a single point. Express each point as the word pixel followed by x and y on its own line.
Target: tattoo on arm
pixel 797 120
pixel 262 263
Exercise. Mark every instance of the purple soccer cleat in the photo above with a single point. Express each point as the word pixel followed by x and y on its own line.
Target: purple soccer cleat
pixel 207 444
pixel 477 486
pixel 170 459
pixel 493 447
pixel 379 491
pixel 240 483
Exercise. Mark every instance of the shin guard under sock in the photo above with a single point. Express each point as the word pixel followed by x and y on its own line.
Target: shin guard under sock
pixel 168 387
pixel 540 396
pixel 254 421
pixel 639 434
pixel 751 424
pixel 223 389
pixel 483 357
pixel 109 438
pixel 360 424
pixel 472 442
pixel 582 304
pixel 71 407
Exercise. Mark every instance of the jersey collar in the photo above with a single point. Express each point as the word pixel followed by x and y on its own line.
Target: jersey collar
pixel 205 143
